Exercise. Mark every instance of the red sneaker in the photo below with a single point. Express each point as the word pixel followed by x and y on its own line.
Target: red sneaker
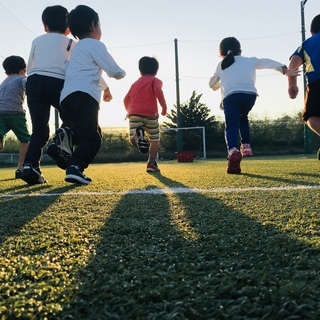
pixel 246 150
pixel 234 159
pixel 152 167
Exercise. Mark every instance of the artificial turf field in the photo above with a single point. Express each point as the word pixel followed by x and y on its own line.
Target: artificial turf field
pixel 189 243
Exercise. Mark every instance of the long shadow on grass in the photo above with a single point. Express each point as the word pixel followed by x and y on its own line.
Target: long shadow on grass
pixel 281 179
pixel 306 174
pixel 18 210
pixel 193 256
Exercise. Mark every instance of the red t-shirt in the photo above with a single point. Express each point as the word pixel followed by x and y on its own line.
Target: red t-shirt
pixel 143 97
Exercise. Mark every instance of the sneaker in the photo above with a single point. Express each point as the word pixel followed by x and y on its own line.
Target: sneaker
pixel 55 155
pixel 152 167
pixel 32 175
pixel 75 175
pixel 18 174
pixel 63 141
pixel 246 150
pixel 234 159
pixel 143 144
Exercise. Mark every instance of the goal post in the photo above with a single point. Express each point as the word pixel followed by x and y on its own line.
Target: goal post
pixel 202 129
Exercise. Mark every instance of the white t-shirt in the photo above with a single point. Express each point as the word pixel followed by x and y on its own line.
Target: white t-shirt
pixel 241 75
pixel 49 55
pixel 89 58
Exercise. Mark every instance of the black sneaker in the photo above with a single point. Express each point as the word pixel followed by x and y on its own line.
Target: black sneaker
pixel 143 144
pixel 63 141
pixel 55 155
pixel 32 175
pixel 18 174
pixel 75 175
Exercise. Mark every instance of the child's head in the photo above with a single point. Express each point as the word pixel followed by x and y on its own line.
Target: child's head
pixel 315 24
pixel 82 21
pixel 13 65
pixel 229 47
pixel 148 65
pixel 54 19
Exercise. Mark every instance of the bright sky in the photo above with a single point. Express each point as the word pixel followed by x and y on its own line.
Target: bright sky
pixel 132 29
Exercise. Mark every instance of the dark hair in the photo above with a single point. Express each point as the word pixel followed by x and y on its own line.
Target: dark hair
pixel 80 20
pixel 13 64
pixel 55 17
pixel 229 47
pixel 148 65
pixel 315 24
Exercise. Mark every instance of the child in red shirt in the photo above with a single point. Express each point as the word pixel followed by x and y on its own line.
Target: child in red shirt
pixel 141 103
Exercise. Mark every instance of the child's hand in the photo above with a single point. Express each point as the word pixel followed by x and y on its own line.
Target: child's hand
pixel 107 96
pixel 292 72
pixel 164 112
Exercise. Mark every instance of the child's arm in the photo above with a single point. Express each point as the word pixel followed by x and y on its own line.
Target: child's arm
pixel 275 65
pixel 164 109
pixel 157 87
pixel 106 62
pixel 30 59
pixel 214 82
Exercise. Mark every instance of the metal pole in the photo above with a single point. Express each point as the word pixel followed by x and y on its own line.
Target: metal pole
pixel 56 119
pixel 204 143
pixel 308 145
pixel 179 137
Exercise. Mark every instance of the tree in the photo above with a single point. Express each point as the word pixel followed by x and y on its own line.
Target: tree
pixel 193 113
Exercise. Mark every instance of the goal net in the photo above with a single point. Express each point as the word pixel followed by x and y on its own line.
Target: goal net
pixel 186 139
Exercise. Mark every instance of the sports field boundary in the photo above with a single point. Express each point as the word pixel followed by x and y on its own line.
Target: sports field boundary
pixel 164 191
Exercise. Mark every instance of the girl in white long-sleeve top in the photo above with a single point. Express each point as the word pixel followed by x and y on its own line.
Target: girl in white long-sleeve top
pixel 235 75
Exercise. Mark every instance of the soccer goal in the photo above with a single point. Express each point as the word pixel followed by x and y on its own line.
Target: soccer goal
pixel 201 129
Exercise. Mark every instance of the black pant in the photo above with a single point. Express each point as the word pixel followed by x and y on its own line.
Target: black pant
pixel 81 115
pixel 42 93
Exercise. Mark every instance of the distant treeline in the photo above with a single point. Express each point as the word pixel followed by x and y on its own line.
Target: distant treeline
pixel 269 137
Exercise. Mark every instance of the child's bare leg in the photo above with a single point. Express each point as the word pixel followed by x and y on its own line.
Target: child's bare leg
pixel 133 140
pixel 153 151
pixel 22 153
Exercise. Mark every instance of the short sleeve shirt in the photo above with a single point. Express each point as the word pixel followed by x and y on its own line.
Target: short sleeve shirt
pixel 309 52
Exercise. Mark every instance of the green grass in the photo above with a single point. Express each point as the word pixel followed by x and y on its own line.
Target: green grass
pixel 137 246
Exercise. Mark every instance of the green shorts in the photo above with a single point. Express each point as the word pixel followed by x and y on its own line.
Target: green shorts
pixel 150 126
pixel 17 123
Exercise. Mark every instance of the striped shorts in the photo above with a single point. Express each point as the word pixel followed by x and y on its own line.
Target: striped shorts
pixel 150 126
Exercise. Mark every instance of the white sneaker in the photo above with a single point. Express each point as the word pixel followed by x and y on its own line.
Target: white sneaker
pixel 63 141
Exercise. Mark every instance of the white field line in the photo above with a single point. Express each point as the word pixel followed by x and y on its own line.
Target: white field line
pixel 162 191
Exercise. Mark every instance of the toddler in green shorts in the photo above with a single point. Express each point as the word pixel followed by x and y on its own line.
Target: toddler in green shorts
pixel 12 112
